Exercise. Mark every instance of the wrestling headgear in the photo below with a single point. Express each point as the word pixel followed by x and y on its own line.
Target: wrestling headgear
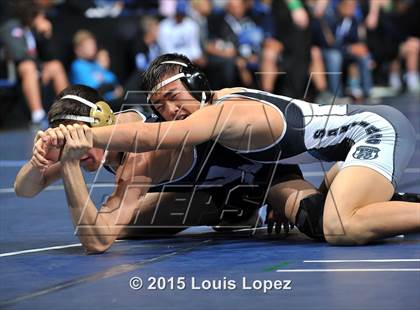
pixel 192 78
pixel 100 113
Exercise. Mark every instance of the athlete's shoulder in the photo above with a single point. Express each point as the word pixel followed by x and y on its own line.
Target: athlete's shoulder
pixel 228 91
pixel 135 115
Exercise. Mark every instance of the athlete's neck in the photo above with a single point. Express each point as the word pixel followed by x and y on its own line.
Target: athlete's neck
pixel 113 159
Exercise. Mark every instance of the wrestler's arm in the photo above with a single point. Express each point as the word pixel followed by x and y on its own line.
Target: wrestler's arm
pixel 166 135
pixel 97 230
pixel 31 180
pixel 37 173
pixel 224 122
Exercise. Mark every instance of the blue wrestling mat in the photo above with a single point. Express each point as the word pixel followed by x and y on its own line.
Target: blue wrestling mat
pixel 43 266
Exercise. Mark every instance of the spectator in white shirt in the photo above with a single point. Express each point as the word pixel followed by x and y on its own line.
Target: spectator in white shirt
pixel 181 34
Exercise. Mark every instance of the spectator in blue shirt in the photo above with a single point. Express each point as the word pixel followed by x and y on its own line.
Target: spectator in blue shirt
pixel 337 35
pixel 87 71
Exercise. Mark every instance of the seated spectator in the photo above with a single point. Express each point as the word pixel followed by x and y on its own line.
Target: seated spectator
pixel 234 46
pixel 145 50
pixel 102 9
pixel 181 34
pixel 406 19
pixel 219 5
pixel 382 40
pixel 285 56
pixel 87 71
pixel 27 41
pixel 106 8
pixel 338 37
pixel 104 60
pixel 317 74
pixel 167 8
pixel 199 12
pixel 271 48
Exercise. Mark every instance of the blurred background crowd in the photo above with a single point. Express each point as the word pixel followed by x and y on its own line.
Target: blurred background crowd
pixel 317 50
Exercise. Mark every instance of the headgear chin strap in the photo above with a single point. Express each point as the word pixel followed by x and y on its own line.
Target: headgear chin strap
pixel 100 113
pixel 191 77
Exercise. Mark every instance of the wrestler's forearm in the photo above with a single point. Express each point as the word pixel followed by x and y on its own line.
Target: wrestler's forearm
pixel 91 230
pixel 30 180
pixel 131 137
pixel 139 137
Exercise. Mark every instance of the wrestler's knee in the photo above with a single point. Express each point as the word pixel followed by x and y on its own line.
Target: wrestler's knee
pixel 349 230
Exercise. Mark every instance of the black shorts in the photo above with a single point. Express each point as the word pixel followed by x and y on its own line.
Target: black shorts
pixel 245 199
pixel 235 201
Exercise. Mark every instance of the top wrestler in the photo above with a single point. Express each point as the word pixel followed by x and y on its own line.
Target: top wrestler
pixel 375 142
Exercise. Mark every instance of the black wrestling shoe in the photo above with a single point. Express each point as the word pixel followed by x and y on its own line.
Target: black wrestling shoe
pixel 408 197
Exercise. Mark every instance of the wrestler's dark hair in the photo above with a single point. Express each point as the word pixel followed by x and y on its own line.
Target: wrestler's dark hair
pixel 157 71
pixel 70 106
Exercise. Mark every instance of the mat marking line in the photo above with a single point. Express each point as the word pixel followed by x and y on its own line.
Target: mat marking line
pixel 36 250
pixel 10 190
pixel 390 260
pixel 352 270
pixel 107 273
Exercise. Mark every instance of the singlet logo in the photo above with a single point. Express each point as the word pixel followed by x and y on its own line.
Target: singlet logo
pixel 374 135
pixel 366 152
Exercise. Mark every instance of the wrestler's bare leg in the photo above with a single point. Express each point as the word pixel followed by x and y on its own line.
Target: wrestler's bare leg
pixel 358 210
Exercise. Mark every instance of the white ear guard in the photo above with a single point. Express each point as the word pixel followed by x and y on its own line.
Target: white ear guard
pixel 100 113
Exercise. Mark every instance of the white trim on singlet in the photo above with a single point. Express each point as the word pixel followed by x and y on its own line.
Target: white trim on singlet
pixel 132 110
pixel 169 181
pixel 236 95
pixel 143 117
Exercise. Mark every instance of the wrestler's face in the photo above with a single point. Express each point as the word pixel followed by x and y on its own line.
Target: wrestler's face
pixel 174 102
pixel 90 161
